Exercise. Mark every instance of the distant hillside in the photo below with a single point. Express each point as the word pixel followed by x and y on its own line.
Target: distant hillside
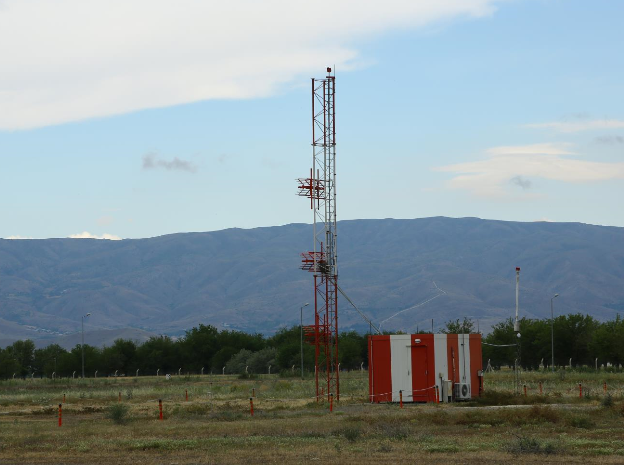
pixel 249 279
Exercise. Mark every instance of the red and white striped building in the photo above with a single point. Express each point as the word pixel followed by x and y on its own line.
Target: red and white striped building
pixel 416 363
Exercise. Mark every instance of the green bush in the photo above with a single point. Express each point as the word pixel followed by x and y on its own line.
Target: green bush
pixel 118 413
pixel 524 445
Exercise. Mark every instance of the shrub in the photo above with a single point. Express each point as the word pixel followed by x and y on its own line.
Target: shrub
pixel 607 401
pixel 581 422
pixel 118 413
pixel 524 445
pixel 352 434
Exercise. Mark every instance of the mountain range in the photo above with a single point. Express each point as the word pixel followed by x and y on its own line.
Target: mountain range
pixel 400 273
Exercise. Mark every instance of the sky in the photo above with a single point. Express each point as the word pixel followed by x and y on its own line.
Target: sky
pixel 137 118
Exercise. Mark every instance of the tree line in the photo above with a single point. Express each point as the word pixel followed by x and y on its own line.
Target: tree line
pixel 579 337
pixel 203 347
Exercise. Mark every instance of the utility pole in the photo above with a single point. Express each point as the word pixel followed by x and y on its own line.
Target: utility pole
pixel 82 345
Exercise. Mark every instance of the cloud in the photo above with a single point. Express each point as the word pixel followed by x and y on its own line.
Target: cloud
pixel 580 125
pixel 505 165
pixel 88 235
pixel 609 140
pixel 69 60
pixel 151 161
pixel 17 237
pixel 521 182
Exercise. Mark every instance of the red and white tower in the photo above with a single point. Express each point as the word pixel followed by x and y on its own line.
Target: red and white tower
pixel 320 188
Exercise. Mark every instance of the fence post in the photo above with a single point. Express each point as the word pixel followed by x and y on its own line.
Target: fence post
pixel 186 394
pixel 525 391
pixel 119 400
pixel 60 418
pixel 331 402
pixel 160 415
pixel 580 391
pixel 401 399
pixel 251 410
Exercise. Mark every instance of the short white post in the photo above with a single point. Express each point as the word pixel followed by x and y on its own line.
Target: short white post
pixel 157 372
pixel 116 373
pixel 53 374
pixel 269 369
pixel 596 363
pixel 202 371
pixel 73 375
pixel 179 371
pixel 246 369
pixel 223 371
pixel 362 366
pixel 293 368
pixel 137 372
pixel 570 362
pixel 96 373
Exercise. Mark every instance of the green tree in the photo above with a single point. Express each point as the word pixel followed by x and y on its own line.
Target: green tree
pixel 237 364
pixel 457 327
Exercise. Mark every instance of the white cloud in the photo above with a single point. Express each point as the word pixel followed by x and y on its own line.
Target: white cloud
pixel 580 125
pixel 497 175
pixel 18 237
pixel 88 235
pixel 73 59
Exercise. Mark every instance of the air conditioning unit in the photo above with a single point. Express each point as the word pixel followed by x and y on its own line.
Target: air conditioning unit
pixel 462 391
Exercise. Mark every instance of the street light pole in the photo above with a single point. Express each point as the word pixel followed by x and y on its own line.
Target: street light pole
pixel 82 345
pixel 301 329
pixel 552 333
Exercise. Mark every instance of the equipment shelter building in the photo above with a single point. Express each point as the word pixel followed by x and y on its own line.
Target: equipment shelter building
pixel 416 363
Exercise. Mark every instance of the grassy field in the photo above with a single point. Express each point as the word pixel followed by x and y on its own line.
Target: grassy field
pixel 288 426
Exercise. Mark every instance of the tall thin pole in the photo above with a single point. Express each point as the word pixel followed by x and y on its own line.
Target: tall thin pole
pixel 82 346
pixel 552 333
pixel 301 328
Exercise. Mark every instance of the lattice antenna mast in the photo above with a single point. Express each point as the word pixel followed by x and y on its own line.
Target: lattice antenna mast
pixel 320 188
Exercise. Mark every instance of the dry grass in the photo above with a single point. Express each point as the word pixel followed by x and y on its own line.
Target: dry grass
pixel 289 426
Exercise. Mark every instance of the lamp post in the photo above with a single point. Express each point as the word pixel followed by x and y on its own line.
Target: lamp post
pixel 552 332
pixel 82 345
pixel 301 328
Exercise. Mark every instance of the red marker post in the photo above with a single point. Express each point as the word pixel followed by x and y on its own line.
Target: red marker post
pixel 186 394
pixel 251 410
pixel 160 409
pixel 604 386
pixel 525 391
pixel 331 402
pixel 580 391
pixel 60 418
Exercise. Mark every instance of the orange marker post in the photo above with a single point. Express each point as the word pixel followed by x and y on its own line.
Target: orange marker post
pixel 331 402
pixel 580 391
pixel 160 409
pixel 604 387
pixel 401 399
pixel 186 394
pixel 60 418
pixel 525 391
pixel 251 410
